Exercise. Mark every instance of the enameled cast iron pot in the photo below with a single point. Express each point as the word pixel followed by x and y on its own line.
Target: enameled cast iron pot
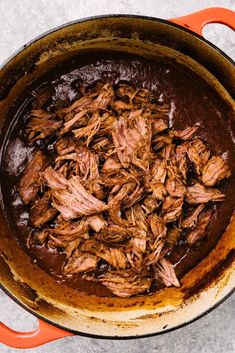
pixel 62 311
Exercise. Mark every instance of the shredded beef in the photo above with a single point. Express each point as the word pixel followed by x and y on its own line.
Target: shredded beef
pixel 118 187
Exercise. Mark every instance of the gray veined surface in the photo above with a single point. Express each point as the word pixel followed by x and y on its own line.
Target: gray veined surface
pixel 21 21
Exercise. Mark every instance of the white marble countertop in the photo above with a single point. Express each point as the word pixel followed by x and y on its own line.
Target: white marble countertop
pixel 21 21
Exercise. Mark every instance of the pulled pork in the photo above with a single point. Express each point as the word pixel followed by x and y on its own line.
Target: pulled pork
pixel 116 190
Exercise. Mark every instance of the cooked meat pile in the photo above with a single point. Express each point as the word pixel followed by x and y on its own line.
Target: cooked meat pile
pixel 115 189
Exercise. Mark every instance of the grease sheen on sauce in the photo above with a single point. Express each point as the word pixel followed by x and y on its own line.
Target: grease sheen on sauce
pixel 191 100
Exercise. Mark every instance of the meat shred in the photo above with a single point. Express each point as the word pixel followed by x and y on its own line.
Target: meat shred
pixel 112 184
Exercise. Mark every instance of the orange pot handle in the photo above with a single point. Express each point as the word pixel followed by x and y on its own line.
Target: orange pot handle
pixel 197 20
pixel 43 334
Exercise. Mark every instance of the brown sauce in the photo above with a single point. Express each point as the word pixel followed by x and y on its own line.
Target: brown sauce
pixel 191 100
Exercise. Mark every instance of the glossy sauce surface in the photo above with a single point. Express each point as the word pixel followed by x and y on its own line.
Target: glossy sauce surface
pixel 191 100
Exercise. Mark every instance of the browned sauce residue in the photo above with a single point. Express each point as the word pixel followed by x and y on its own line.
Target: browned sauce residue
pixel 191 101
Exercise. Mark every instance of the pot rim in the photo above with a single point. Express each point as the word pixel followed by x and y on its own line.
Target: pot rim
pixel 103 337
pixel 53 30
pixel 100 17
